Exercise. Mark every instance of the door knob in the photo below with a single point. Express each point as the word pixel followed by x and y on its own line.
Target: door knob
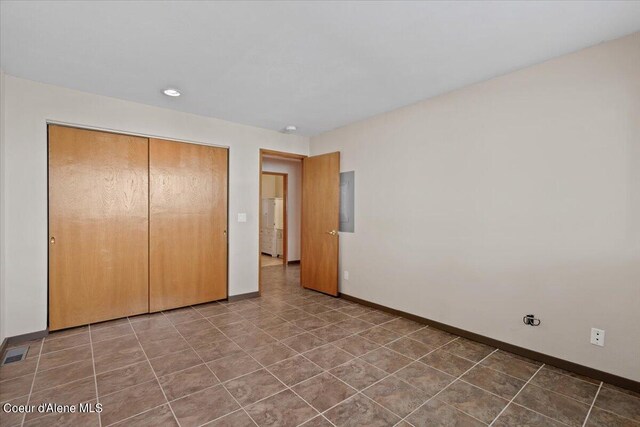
pixel 52 240
pixel 333 232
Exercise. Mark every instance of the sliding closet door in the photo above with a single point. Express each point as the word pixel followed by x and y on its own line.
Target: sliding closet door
pixel 98 226
pixel 188 224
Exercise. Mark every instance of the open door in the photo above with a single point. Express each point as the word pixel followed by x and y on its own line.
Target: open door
pixel 320 220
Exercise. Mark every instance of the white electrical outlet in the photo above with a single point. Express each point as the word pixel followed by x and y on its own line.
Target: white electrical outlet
pixel 597 337
pixel 345 275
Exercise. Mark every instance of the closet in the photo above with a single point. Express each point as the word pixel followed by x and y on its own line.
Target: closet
pixel 136 225
pixel 188 224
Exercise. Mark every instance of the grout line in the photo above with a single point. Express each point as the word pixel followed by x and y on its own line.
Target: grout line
pixel 561 394
pixel 264 367
pixel 624 417
pixel 591 407
pixel 462 380
pixel 52 336
pixel 84 360
pixel 516 395
pixel 271 373
pixel 64 349
pixel 61 366
pixel 33 381
pixel 292 390
pixel 273 305
pixel 564 373
pixel 414 361
pixel 394 372
pixel 496 370
pixel 95 378
pixel 448 385
pixel 128 387
pixel 327 419
pixel 541 414
pixel 222 416
pixel 140 413
pixel 154 374
pixel 210 370
pixel 83 378
pixel 353 358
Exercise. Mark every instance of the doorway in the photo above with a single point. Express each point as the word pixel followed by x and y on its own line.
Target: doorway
pixel 312 199
pixel 280 219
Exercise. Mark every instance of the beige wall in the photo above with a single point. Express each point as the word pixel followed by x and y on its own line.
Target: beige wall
pixel 293 169
pixel 513 196
pixel 29 105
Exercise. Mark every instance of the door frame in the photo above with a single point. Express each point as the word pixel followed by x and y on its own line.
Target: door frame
pixel 285 156
pixel 285 193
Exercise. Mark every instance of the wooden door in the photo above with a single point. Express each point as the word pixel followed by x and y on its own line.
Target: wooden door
pixel 320 220
pixel 188 224
pixel 98 226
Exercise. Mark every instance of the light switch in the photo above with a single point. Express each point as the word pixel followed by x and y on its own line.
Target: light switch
pixel 242 217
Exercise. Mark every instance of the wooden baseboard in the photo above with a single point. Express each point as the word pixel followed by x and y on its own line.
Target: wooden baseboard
pixel 240 297
pixel 18 339
pixel 521 351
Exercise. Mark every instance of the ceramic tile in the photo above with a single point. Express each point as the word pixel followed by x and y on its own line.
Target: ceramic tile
pixel 387 360
pixel 411 348
pixel 425 378
pixel 554 405
pixel 188 381
pixel 361 411
pixel 563 384
pixel 474 401
pixel 324 391
pixel 447 362
pixel 623 404
pixel 493 381
pixel 131 401
pixel 397 396
pixel 233 366
pixel 118 379
pixel 328 356
pixel 252 387
pixel 204 406
pixel 358 373
pixel 295 370
pixel 436 413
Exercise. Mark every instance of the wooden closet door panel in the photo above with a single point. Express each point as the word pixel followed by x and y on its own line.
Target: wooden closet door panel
pixel 98 225
pixel 188 223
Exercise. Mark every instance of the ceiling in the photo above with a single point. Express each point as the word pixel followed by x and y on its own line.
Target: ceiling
pixel 317 65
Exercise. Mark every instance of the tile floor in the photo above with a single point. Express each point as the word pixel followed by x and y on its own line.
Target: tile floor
pixel 268 261
pixel 295 357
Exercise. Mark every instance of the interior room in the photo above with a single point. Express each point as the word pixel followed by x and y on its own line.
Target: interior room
pixel 392 213
pixel 272 226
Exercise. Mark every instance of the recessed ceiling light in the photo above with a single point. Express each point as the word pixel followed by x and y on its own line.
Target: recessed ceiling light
pixel 171 92
pixel 290 128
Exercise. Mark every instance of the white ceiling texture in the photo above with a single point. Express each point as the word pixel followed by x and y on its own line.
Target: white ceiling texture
pixel 317 65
